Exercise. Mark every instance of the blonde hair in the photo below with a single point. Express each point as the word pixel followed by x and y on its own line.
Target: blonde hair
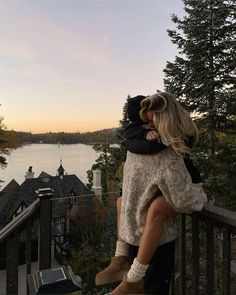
pixel 173 123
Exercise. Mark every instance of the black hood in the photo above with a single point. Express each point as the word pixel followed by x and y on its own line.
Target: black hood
pixel 133 108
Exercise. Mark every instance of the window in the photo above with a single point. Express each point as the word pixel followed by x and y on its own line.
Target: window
pixel 72 194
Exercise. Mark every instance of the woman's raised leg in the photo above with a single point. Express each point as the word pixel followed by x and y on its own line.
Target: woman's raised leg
pixel 159 211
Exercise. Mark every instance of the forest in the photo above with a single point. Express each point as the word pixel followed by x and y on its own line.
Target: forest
pixel 100 136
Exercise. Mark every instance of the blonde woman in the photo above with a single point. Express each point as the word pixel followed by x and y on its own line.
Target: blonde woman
pixel 149 222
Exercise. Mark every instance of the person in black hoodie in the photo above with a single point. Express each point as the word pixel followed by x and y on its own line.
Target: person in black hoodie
pixel 142 139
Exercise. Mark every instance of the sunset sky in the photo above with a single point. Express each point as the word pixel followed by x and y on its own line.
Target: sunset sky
pixel 68 65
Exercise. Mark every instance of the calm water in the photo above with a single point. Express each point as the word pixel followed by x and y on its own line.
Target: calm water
pixel 76 159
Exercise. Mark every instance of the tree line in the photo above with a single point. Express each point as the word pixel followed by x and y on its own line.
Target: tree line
pixel 95 137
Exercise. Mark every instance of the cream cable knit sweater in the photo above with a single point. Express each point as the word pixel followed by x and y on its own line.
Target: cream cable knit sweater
pixel 144 177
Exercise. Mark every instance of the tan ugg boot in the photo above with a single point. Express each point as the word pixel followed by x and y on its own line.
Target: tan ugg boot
pixel 115 271
pixel 129 288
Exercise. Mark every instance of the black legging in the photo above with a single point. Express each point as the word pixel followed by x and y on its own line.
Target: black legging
pixel 159 273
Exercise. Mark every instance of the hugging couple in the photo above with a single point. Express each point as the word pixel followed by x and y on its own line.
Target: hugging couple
pixel 159 182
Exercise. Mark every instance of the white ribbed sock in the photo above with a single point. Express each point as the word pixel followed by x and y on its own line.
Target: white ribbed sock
pixel 137 271
pixel 122 249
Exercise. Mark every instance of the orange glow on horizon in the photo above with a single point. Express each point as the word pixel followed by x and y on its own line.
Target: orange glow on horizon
pixel 69 127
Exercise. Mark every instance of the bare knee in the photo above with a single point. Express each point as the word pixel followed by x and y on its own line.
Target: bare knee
pixel 160 210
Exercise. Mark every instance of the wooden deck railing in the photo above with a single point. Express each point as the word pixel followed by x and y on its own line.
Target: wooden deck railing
pixel 41 208
pixel 204 224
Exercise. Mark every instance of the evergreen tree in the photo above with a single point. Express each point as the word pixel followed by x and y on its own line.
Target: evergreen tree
pixel 3 144
pixel 109 160
pixel 124 121
pixel 8 140
pixel 203 77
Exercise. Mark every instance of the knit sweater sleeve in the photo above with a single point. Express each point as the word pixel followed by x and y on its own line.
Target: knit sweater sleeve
pixel 178 189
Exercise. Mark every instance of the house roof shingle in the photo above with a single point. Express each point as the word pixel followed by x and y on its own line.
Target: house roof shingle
pixel 5 196
pixel 26 191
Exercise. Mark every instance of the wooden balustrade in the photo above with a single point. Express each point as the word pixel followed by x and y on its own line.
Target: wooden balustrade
pixel 212 218
pixel 39 209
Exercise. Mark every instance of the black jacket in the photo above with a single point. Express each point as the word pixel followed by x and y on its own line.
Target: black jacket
pixel 136 142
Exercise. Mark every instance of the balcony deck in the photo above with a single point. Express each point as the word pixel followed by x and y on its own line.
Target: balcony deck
pixel 206 250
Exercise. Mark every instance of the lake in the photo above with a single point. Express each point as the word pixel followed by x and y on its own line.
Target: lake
pixel 76 159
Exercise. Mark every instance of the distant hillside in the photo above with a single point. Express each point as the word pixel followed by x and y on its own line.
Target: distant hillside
pixel 101 136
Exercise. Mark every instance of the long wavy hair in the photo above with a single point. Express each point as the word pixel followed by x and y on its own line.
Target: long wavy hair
pixel 173 123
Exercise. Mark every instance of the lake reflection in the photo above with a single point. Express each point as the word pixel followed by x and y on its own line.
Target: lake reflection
pixel 76 159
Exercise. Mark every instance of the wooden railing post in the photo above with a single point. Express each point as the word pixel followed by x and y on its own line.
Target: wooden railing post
pixel 182 250
pixel 28 249
pixel 45 195
pixel 226 260
pixel 195 255
pixel 210 265
pixel 12 263
pixel 28 246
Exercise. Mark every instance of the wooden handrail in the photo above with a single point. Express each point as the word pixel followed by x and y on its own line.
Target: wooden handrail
pixel 19 220
pixel 219 214
pixel 40 208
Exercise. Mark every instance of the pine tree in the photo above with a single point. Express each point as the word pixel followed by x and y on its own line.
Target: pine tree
pixel 203 77
pixel 3 142
pixel 8 141
pixel 124 121
pixel 108 161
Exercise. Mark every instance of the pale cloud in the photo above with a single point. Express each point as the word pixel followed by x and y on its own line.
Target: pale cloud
pixel 20 51
pixel 33 39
